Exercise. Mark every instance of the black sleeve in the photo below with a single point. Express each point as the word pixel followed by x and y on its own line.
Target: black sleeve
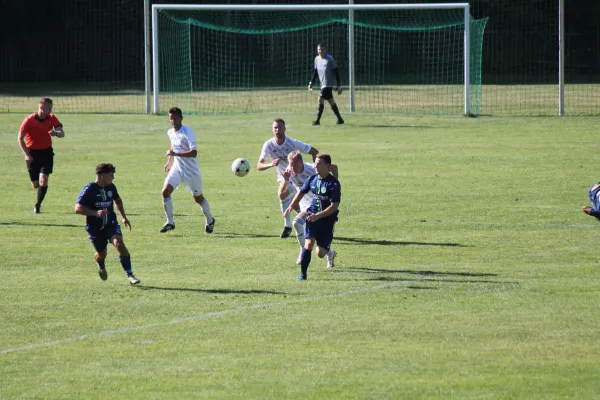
pixel 595 213
pixel 336 73
pixel 314 77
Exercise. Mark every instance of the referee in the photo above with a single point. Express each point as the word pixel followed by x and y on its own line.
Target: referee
pixel 35 140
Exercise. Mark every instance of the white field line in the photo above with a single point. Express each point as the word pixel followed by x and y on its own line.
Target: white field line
pixel 209 315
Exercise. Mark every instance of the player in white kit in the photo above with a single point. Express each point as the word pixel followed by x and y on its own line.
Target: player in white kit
pixel 296 174
pixel 183 168
pixel 277 148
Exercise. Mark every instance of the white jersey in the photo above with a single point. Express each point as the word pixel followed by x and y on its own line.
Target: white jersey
pixel 273 150
pixel 181 141
pixel 298 180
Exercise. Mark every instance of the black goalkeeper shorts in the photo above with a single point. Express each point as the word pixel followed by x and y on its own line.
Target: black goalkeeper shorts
pixel 327 93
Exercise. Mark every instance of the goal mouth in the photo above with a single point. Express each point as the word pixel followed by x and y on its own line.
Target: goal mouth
pixel 409 59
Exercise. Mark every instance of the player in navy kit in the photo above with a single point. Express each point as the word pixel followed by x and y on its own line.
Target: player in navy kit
pixel 96 201
pixel 297 173
pixel 594 194
pixel 322 213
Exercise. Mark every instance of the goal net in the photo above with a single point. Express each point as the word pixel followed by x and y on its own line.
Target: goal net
pixel 405 61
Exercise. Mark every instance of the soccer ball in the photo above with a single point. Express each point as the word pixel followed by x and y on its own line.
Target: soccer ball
pixel 240 167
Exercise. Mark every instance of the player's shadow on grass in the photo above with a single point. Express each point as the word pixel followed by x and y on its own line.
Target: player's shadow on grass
pixel 41 224
pixel 426 276
pixel 213 291
pixel 396 126
pixel 231 235
pixel 418 272
pixel 393 243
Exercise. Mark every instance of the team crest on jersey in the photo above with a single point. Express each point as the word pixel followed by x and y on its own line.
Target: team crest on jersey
pixel 323 189
pixel 109 194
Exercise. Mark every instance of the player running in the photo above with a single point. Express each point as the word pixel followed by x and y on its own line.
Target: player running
pixel 183 167
pixel 96 201
pixel 297 173
pixel 322 213
pixel 278 148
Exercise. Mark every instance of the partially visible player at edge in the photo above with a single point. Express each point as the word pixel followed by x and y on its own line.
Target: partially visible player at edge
pixel 277 148
pixel 96 201
pixel 322 213
pixel 326 69
pixel 297 173
pixel 594 194
pixel 35 140
pixel 182 167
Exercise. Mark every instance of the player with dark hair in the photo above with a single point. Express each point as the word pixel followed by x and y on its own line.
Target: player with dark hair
pixel 182 167
pixel 96 201
pixel 35 140
pixel 594 194
pixel 277 148
pixel 322 213
pixel 297 173
pixel 326 69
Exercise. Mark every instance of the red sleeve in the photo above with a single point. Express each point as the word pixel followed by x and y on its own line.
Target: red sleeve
pixel 24 124
pixel 55 121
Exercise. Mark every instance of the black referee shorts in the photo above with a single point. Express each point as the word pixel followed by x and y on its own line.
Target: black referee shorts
pixel 42 162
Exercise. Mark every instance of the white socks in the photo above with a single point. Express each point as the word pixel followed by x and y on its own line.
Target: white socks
pixel 329 256
pixel 299 227
pixel 284 204
pixel 168 204
pixel 206 210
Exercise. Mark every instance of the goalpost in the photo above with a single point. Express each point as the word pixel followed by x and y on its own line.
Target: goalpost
pixel 253 58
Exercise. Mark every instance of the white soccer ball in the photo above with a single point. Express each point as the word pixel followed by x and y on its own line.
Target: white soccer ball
pixel 240 167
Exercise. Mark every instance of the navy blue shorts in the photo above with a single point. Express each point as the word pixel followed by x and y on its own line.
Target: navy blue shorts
pixel 321 231
pixel 101 237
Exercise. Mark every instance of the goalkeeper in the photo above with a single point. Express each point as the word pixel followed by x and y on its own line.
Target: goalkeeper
pixel 326 69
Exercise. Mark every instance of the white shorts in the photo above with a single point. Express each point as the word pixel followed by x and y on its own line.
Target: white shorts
pixel 193 182
pixel 305 202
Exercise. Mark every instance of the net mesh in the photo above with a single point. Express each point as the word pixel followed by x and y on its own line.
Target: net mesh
pixel 406 61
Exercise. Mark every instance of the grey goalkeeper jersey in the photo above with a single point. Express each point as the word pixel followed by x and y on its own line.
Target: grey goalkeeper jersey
pixel 325 67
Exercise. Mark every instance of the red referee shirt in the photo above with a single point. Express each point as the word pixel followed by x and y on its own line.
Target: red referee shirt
pixel 36 131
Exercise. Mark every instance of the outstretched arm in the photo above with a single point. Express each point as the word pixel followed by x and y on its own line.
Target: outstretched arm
pixel 313 152
pixel 591 212
pixel 261 165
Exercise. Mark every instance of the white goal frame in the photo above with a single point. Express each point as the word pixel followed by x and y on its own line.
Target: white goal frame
pixel 153 68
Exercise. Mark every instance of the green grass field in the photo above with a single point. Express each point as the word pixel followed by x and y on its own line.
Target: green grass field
pixel 407 100
pixel 465 267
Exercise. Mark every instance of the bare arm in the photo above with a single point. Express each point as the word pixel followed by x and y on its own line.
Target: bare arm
pixel 121 210
pixel 283 186
pixel 333 170
pixel 189 153
pixel 24 149
pixel 313 152
pixel 295 203
pixel 261 165
pixel 325 213
pixel 58 131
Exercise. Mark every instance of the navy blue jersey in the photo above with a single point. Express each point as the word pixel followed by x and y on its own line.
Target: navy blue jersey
pixel 325 191
pixel 594 194
pixel 95 197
